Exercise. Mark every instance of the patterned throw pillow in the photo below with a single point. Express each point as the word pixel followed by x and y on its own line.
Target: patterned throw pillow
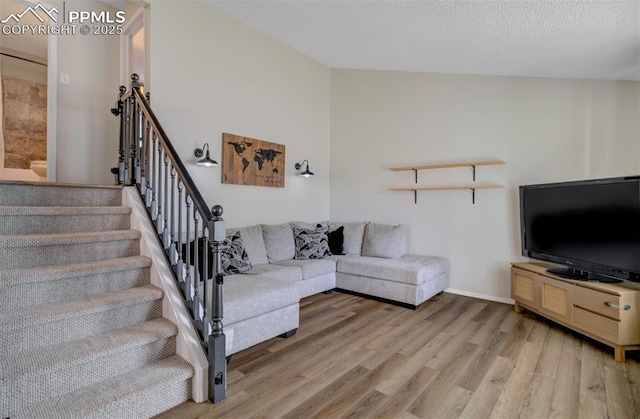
pixel 234 258
pixel 311 243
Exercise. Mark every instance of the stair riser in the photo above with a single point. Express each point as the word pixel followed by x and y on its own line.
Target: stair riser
pixel 54 224
pixel 33 389
pixel 147 402
pixel 40 335
pixel 60 254
pixel 75 288
pixel 58 196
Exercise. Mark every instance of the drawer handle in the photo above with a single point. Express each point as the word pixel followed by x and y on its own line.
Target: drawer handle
pixel 610 304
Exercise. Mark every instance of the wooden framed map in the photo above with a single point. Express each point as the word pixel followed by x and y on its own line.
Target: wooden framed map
pixel 247 161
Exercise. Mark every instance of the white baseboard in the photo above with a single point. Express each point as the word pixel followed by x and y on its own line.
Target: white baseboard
pixel 481 296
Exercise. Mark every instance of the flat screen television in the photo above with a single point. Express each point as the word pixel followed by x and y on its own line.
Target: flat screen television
pixel 591 227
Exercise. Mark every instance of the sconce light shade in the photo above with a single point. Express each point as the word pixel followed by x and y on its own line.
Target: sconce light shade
pixel 306 172
pixel 207 161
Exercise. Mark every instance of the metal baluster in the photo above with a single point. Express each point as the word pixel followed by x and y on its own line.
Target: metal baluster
pixel 158 187
pixel 147 167
pixel 165 226
pixel 172 230
pixel 197 306
pixel 144 144
pixel 217 347
pixel 180 268
pixel 139 138
pixel 188 282
pixel 151 201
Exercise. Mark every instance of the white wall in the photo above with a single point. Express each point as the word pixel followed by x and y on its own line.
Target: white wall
pixel 87 144
pixel 212 74
pixel 545 129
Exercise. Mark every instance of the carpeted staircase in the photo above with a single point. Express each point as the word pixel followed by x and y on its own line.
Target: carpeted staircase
pixel 81 327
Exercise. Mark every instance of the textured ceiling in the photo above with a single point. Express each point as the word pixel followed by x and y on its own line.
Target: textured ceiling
pixel 568 39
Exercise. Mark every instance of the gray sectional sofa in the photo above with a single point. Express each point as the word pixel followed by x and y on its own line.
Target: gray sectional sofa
pixel 274 266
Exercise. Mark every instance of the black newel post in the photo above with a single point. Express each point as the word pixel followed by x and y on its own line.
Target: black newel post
pixel 119 111
pixel 216 347
pixel 135 129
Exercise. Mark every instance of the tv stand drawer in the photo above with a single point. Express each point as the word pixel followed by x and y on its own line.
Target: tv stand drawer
pixel 602 327
pixel 597 302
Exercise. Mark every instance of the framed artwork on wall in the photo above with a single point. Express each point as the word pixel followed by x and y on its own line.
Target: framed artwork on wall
pixel 248 161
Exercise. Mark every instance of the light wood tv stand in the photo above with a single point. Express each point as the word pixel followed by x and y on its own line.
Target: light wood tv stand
pixel 608 313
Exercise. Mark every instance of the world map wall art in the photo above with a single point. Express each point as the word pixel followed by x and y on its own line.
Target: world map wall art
pixel 247 161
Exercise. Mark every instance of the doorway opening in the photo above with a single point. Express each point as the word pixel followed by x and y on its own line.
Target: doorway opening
pixel 25 94
pixel 133 49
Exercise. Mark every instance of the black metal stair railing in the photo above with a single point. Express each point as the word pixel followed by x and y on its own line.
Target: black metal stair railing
pixel 186 227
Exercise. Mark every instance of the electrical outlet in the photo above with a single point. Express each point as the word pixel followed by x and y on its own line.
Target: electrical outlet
pixel 64 78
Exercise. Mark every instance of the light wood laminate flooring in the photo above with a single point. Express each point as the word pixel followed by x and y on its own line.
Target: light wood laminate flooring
pixel 453 357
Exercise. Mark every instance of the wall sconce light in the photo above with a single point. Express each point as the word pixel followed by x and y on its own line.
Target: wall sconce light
pixel 306 172
pixel 207 161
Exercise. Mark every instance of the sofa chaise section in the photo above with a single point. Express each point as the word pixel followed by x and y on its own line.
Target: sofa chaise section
pixel 258 309
pixel 410 280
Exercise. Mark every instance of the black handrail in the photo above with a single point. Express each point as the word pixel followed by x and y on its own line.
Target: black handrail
pixel 148 160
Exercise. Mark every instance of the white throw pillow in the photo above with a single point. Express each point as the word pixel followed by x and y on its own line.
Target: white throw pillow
pixel 253 243
pixel 278 241
pixel 353 236
pixel 385 241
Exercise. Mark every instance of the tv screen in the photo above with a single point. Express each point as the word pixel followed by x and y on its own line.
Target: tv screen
pixel 590 226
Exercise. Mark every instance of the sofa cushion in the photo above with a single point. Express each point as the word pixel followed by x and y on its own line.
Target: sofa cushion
pixel 247 296
pixel 410 269
pixel 311 268
pixel 353 236
pixel 337 258
pixel 253 243
pixel 385 241
pixel 282 273
pixel 234 258
pixel 278 241
pixel 336 241
pixel 311 243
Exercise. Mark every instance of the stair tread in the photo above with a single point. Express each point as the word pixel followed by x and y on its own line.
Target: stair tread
pixel 27 316
pixel 59 184
pixel 53 210
pixel 53 358
pixel 67 238
pixel 58 194
pixel 55 272
pixel 91 399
